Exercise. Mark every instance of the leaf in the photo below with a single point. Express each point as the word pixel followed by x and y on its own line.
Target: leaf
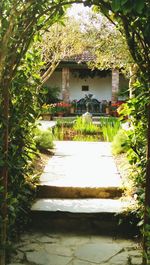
pixel 127 8
pixel 138 6
pixel 116 4
pixel 123 2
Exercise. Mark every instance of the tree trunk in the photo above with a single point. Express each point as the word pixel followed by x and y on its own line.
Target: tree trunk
pixel 133 78
pixel 147 198
pixel 115 85
pixel 4 172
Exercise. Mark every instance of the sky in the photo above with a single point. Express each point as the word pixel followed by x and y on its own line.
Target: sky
pixel 77 9
pixel 84 13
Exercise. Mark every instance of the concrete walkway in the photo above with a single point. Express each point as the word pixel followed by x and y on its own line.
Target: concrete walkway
pixel 81 164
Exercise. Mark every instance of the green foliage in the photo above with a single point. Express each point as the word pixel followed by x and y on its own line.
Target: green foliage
pixel 18 24
pixel 20 68
pixel 44 139
pixel 67 122
pixel 132 19
pixel 137 111
pixel 22 149
pixel 127 6
pixel 49 95
pixel 120 142
pixel 84 127
pixel 59 133
pixel 109 127
pixel 86 138
pixel 77 130
pixel 60 41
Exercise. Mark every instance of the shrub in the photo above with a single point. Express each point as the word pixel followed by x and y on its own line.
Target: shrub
pixel 109 127
pixel 44 139
pixel 49 95
pixel 66 122
pixel 86 138
pixel 58 133
pixel 120 142
pixel 84 127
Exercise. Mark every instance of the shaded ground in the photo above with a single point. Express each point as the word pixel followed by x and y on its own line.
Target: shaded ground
pixel 70 249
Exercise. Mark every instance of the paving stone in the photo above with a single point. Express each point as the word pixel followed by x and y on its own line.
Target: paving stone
pixel 74 240
pixel 58 250
pixel 17 263
pixel 79 262
pixel 43 258
pixel 30 247
pixel 58 260
pixel 136 260
pixel 119 259
pixel 37 257
pixel 28 236
pixel 97 252
pixel 19 256
pixel 135 253
pixel 71 249
pixel 47 239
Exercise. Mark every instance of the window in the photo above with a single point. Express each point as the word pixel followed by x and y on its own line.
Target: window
pixel 85 88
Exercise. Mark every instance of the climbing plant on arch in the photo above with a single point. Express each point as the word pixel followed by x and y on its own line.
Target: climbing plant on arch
pixel 132 18
pixel 20 21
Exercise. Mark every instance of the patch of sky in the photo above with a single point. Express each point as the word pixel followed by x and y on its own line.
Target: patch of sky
pixel 87 17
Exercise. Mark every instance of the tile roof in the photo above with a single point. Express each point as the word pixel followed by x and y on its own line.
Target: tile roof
pixel 84 57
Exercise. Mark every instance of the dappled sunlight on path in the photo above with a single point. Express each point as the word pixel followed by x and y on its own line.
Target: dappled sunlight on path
pixel 81 164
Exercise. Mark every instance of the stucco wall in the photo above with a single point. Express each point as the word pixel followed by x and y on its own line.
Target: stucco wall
pixel 55 80
pixel 101 88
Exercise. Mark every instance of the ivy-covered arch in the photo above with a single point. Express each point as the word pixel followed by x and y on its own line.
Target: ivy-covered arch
pixel 20 21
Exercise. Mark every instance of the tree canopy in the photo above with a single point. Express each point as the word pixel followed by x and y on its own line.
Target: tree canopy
pixel 59 42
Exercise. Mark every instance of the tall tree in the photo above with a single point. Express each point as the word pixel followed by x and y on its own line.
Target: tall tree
pixel 104 41
pixel 61 40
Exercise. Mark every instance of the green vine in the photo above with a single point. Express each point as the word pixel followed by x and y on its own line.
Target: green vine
pixel 22 149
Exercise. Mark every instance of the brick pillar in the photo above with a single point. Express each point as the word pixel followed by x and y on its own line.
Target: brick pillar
pixel 115 85
pixel 65 84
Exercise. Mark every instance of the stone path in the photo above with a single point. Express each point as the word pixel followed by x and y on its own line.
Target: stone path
pixel 81 164
pixel 46 124
pixel 80 170
pixel 70 249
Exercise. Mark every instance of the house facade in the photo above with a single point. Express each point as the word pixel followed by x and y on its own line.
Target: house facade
pixel 75 80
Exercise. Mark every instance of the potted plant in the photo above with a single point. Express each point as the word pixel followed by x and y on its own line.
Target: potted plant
pixel 48 111
pixel 73 106
pixel 115 106
pixel 62 108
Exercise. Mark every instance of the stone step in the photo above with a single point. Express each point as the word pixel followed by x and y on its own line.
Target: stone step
pixel 48 191
pixel 80 205
pixel 93 215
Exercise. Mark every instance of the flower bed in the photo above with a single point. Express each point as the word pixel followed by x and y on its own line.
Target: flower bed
pixel 114 108
pixel 56 109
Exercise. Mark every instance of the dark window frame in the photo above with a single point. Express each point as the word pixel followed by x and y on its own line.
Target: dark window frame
pixel 85 88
